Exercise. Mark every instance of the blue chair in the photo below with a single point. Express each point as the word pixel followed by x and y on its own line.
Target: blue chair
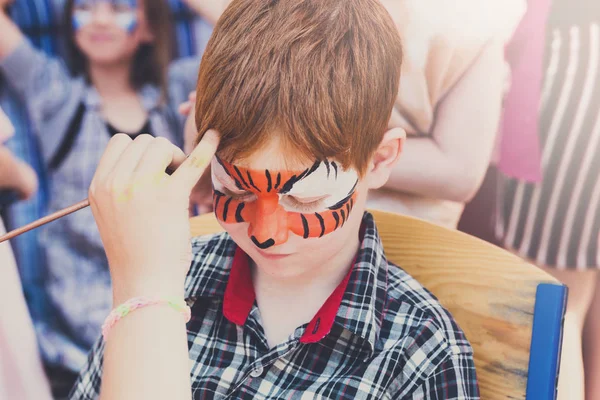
pixel 511 311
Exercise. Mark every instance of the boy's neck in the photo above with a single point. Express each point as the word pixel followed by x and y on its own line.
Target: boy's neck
pixel 287 303
pixel 111 80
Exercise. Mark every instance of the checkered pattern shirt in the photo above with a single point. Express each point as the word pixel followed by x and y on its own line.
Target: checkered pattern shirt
pixel 380 335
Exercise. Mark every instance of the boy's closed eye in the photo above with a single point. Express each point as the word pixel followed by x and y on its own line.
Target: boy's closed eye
pixel 304 203
pixel 307 204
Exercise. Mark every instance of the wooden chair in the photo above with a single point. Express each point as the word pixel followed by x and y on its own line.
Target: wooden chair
pixel 511 311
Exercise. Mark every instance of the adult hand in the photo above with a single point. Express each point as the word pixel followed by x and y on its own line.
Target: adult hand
pixel 142 212
pixel 201 197
pixel 190 133
pixel 16 175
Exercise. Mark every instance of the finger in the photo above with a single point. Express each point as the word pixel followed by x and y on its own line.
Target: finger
pixel 116 146
pixel 185 108
pixel 188 174
pixel 127 163
pixel 160 155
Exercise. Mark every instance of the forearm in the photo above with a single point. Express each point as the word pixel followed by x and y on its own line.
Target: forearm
pixel 452 163
pixel 425 169
pixel 146 357
pixel 12 172
pixel 10 36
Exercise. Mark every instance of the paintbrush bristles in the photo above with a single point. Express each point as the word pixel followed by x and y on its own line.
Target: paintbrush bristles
pixel 45 220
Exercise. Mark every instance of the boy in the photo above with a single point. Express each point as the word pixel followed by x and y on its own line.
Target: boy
pixel 296 300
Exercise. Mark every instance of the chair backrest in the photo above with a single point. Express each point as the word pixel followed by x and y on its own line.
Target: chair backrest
pixel 489 291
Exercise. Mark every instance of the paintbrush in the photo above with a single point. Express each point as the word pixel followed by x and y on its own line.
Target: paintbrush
pixel 42 221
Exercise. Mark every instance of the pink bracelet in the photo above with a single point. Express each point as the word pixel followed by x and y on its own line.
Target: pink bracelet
pixel 139 302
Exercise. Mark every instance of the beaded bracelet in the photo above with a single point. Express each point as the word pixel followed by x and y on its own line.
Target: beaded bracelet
pixel 139 302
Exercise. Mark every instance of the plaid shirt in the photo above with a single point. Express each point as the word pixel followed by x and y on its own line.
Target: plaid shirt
pixel 380 335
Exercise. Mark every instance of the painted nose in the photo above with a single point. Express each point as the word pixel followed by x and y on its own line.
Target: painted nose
pixel 269 226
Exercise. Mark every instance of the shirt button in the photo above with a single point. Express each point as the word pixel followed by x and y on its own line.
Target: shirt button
pixel 257 372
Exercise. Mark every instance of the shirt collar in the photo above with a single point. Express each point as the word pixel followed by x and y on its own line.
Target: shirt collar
pixel 221 269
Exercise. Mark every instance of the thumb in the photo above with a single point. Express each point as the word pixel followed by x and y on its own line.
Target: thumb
pixel 191 170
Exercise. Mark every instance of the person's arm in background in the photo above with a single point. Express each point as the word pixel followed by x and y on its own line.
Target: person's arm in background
pixel 11 36
pixel 43 83
pixel 451 163
pixel 209 9
pixel 14 174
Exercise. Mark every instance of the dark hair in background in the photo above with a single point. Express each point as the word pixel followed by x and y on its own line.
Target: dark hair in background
pixel 151 59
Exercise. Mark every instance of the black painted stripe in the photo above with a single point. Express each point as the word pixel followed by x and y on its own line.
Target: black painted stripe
pixel 223 165
pixel 236 181
pixel 237 171
pixel 264 245
pixel 348 209
pixel 278 180
pixel 289 184
pixel 217 196
pixel 342 202
pixel 334 165
pixel 303 174
pixel 337 219
pixel 269 183
pixel 328 168
pixel 343 216
pixel 226 208
pixel 305 226
pixel 322 222
pixel 238 212
pixel 251 181
pixel 312 169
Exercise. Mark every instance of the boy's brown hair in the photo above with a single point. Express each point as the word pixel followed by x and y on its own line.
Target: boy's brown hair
pixel 151 59
pixel 324 73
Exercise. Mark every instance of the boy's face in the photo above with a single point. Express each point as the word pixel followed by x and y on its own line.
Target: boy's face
pixel 277 212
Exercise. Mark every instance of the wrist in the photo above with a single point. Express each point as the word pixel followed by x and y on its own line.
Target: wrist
pixel 148 288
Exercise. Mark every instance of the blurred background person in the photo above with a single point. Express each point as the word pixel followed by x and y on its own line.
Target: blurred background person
pixel 453 80
pixel 119 84
pixel 21 373
pixel 41 22
pixel 554 222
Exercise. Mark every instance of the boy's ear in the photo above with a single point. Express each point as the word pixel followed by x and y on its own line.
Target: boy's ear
pixel 385 158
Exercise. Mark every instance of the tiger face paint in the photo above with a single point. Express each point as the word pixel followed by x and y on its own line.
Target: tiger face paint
pixel 310 203
pixel 124 13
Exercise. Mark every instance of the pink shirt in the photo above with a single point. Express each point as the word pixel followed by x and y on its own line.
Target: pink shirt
pixel 519 143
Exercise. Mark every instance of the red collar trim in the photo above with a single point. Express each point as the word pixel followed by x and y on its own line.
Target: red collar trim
pixel 239 294
pixel 239 299
pixel 322 322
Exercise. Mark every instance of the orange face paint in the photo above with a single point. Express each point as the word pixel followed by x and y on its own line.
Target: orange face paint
pixel 270 223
